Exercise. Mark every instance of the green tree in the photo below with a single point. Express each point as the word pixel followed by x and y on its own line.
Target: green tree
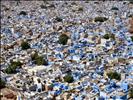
pixel 114 8
pixel 2 83
pixel 16 63
pixel 68 78
pixel 131 93
pixel 80 9
pixel 25 45
pixel 43 7
pixel 130 1
pixel 63 39
pixel 106 36
pixel 114 75
pixel 130 16
pixel 39 60
pixel 58 19
pixel 23 13
pixel 112 36
pixel 132 38
pixel 11 69
pixel 100 19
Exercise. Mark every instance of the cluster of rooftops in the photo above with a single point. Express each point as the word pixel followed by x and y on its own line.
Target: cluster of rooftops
pixel 95 63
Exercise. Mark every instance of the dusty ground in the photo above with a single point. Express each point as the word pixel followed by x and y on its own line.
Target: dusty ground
pixel 6 91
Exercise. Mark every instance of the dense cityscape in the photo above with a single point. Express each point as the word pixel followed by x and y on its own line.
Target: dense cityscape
pixel 66 50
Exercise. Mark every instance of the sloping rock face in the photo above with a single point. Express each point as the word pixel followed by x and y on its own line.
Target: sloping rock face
pixel 131 25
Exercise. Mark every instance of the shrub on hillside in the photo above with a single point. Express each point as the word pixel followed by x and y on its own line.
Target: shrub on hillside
pixel 106 36
pixel 11 69
pixel 68 78
pixel 100 19
pixel 63 39
pixel 39 60
pixel 131 93
pixel 2 84
pixel 114 75
pixel 25 45
pixel 132 38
